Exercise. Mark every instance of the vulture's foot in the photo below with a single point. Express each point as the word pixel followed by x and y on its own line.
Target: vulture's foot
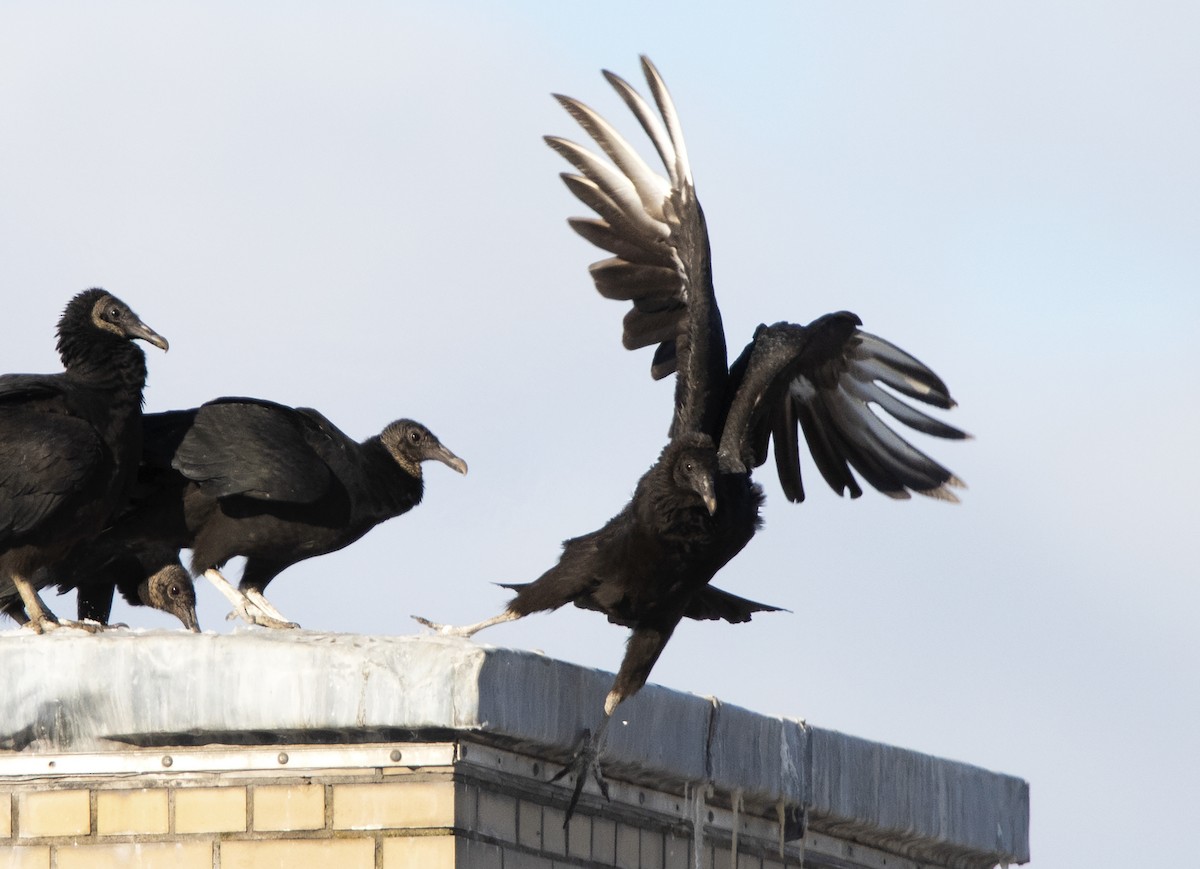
pixel 266 609
pixel 466 630
pixel 586 760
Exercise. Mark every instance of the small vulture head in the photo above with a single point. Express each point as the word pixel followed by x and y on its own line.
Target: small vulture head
pixel 410 443
pixel 109 314
pixel 171 590
pixel 695 470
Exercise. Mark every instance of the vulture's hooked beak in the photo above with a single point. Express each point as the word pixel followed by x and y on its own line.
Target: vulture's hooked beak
pixel 447 458
pixel 188 617
pixel 709 495
pixel 138 329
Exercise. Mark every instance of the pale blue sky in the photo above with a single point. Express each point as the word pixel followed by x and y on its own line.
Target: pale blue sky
pixel 349 206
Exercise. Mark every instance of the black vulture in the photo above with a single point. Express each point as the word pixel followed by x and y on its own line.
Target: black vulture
pixel 145 576
pixel 650 566
pixel 149 576
pixel 69 442
pixel 276 484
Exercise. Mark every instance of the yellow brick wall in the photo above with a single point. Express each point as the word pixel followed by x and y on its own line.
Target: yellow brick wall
pixel 210 810
pixel 172 812
pixel 289 807
pixel 289 853
pixel 53 813
pixel 144 855
pixel 25 857
pixel 399 806
pixel 131 812
pixel 242 823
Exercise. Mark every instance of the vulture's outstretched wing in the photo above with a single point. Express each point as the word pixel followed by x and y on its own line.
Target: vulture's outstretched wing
pixel 835 409
pixel 655 229
pixel 826 379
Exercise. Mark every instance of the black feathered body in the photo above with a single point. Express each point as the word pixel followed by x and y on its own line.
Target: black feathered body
pixel 69 443
pixel 651 564
pixel 366 488
pixel 246 477
pixel 627 568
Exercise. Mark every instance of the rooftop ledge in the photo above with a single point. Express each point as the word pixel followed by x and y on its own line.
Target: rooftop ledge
pixel 87 697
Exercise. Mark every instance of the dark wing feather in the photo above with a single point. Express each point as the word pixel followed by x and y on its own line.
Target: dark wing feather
pixel 648 287
pixel 759 380
pixel 253 448
pixel 823 444
pixel 624 246
pixel 27 389
pixel 710 603
pixel 162 434
pixel 47 459
pixel 579 574
pixel 655 228
pixel 824 379
pixel 833 402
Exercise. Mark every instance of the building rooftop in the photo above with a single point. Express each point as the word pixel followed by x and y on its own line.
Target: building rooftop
pixel 76 699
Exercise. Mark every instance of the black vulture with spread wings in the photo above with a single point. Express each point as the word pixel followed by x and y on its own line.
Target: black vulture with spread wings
pixel 697 507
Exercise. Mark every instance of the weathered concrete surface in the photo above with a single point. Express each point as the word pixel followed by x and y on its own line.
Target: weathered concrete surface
pixel 73 692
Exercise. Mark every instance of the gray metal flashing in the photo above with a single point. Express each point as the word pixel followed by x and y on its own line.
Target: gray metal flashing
pixel 914 802
pixel 71 692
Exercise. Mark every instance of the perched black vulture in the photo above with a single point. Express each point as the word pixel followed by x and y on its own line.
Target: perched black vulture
pixel 151 576
pixel 650 566
pixel 69 442
pixel 242 476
